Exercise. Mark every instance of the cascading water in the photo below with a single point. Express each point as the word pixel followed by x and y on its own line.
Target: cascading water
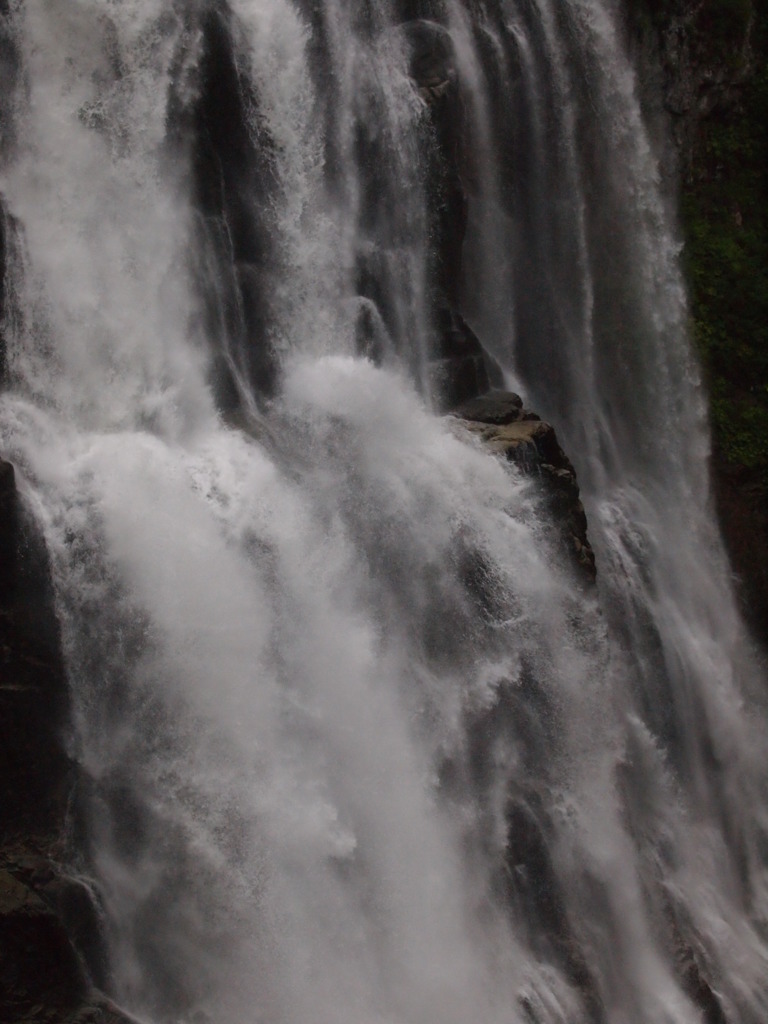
pixel 354 746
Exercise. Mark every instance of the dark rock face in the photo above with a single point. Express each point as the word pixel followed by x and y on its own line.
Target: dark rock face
pixel 8 530
pixel 535 893
pixel 693 58
pixel 42 975
pixel 701 67
pixel 531 444
pixel 741 505
pixel 461 368
pixel 497 408
pixel 39 963
pixel 49 927
pixel 432 69
pixel 232 180
pixel 34 771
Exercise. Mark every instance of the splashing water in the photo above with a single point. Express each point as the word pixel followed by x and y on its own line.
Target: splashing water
pixel 354 746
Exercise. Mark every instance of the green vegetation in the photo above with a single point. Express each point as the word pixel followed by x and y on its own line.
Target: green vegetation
pixel 725 217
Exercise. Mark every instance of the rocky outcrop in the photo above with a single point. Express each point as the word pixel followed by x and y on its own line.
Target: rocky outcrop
pixel 49 931
pixel 500 420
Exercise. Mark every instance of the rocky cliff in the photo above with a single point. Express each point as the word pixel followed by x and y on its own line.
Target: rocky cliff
pixel 704 77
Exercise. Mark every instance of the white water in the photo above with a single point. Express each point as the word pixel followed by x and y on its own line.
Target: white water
pixel 355 748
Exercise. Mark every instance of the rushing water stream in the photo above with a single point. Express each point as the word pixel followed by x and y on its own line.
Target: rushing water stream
pixel 356 748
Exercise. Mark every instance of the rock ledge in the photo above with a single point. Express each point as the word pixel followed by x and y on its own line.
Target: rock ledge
pixel 522 437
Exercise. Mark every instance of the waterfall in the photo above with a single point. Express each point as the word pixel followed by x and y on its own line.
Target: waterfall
pixel 354 744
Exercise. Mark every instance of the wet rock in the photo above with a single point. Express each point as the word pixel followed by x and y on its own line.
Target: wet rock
pixel 430 51
pixel 76 906
pixel 432 68
pixel 39 970
pixel 49 930
pixel 233 182
pixel 687 954
pixel 458 378
pixel 35 772
pixel 8 529
pixel 701 992
pixel 43 979
pixel 534 891
pixel 700 71
pixel 99 1009
pixel 500 420
pixel 431 63
pixel 461 368
pixel 497 408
